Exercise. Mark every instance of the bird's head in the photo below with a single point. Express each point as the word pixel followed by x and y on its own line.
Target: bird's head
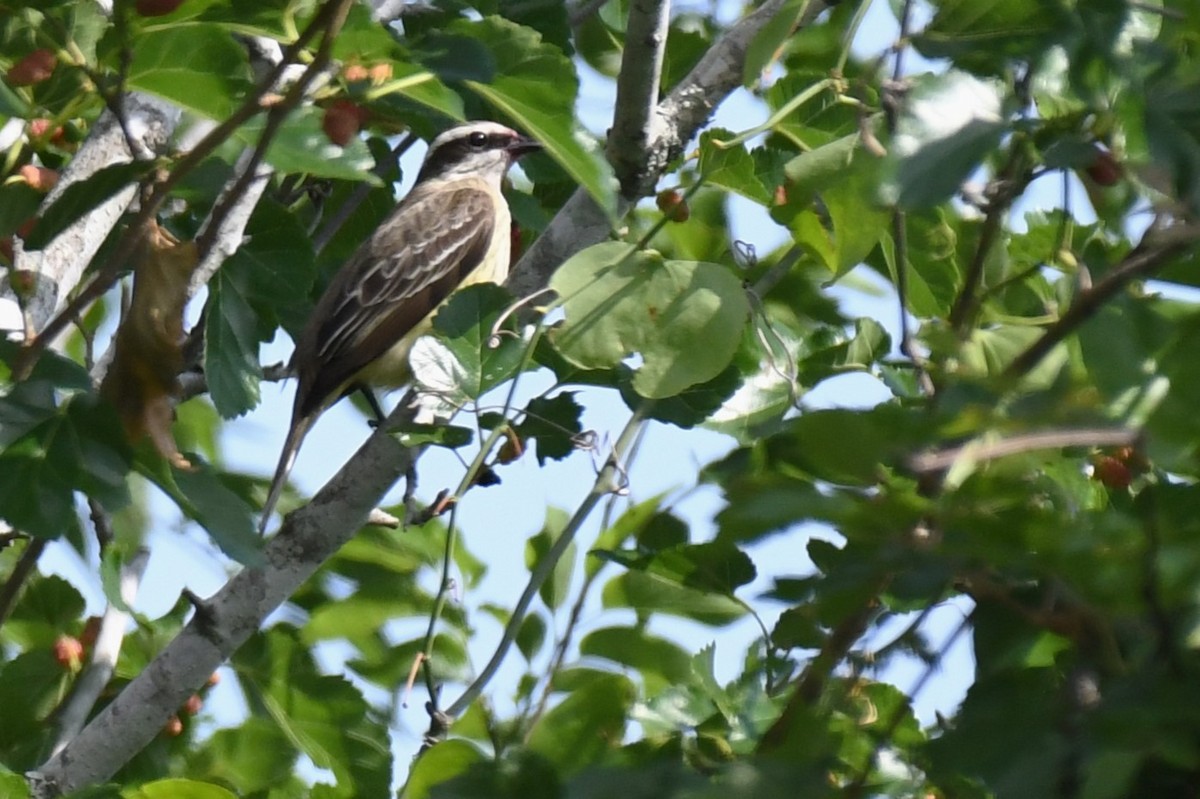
pixel 481 149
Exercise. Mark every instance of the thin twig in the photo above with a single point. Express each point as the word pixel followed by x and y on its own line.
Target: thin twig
pixel 942 459
pixel 605 484
pixel 634 120
pixel 1158 246
pixel 107 648
pixel 11 590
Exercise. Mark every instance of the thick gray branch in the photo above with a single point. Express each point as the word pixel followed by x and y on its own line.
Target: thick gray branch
pixel 307 539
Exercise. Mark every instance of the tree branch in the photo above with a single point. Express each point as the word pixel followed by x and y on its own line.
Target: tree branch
pixel 581 223
pixel 87 689
pixel 635 120
pixel 308 537
pixel 1158 246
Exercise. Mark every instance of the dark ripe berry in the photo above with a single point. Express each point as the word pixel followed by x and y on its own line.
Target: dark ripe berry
pixel 1104 169
pixel 33 68
pixel 342 121
pixel 512 449
pixel 91 629
pixel 156 8
pixel 673 205
pixel 1111 472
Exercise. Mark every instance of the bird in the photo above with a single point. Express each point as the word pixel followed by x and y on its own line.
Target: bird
pixel 452 229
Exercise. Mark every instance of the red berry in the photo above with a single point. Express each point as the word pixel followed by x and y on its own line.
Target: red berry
pixel 781 195
pixel 1104 169
pixel 68 652
pixel 1111 472
pixel 156 8
pixel 193 704
pixel 673 205
pixel 212 680
pixel 342 121
pixel 33 68
pixel 39 177
pixel 173 728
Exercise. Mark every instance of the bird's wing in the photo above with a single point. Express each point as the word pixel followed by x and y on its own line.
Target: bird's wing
pixel 402 273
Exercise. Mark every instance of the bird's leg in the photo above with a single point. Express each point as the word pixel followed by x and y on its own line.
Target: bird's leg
pixel 372 403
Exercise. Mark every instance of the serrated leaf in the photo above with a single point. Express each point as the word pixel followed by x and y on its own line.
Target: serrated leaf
pixel 230 349
pixel 553 422
pixel 730 166
pixel 465 324
pixel 619 301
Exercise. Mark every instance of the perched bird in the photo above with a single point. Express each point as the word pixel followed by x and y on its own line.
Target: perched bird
pixel 453 229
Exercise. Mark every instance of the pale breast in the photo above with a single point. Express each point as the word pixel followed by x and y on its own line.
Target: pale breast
pixel 391 369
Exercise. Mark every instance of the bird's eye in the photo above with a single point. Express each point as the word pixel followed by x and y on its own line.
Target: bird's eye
pixel 477 139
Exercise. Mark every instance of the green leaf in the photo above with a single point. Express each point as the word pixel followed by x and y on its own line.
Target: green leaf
pixel 730 166
pixel 78 199
pixel 39 615
pixel 630 523
pixel 465 325
pixel 300 145
pixel 766 44
pixel 442 763
pixel 951 122
pixel 988 35
pixel 619 301
pixel 200 494
pixel 577 732
pixel 200 67
pixel 553 422
pixel 531 635
pixel 81 447
pixel 716 567
pixel 274 269
pixel 18 202
pixel 660 662
pixel 324 716
pixel 177 789
pixel 254 756
pixel 230 349
pixel 554 591
pixel 648 593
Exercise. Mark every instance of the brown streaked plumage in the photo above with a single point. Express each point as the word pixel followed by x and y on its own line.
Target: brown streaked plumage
pixel 451 230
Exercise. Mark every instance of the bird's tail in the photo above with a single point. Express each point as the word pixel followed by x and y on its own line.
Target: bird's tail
pixel 287 458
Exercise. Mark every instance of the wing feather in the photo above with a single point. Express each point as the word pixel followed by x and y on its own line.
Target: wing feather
pixel 408 267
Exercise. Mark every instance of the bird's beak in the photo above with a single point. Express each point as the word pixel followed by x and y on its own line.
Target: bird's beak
pixel 522 145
